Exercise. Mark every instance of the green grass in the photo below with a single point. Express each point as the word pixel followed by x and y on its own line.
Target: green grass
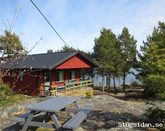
pixel 89 94
pixel 14 99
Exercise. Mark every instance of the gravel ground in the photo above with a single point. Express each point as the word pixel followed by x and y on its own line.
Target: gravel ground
pixel 109 111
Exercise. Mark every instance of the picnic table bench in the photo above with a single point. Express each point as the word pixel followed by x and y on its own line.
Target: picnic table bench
pixel 76 120
pixel 22 118
pixel 50 108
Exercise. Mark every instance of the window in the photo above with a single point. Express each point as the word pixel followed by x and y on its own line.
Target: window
pixel 59 76
pixel 84 74
pixel 72 75
pixel 47 78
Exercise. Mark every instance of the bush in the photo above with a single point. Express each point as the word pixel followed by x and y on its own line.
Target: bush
pixel 135 84
pixel 5 91
pixel 154 86
pixel 155 115
pixel 161 96
pixel 89 94
pixel 127 86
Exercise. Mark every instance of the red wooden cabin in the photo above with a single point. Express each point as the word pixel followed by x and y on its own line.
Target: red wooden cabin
pixel 33 74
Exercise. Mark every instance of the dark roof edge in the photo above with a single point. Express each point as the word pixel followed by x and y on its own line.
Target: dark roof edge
pixel 91 61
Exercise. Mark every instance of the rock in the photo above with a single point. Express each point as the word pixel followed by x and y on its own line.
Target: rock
pixel 107 111
pixel 102 118
pixel 101 123
pixel 123 129
pixel 120 94
pixel 79 129
pixel 98 97
pixel 111 123
pixel 8 113
pixel 143 118
pixel 111 117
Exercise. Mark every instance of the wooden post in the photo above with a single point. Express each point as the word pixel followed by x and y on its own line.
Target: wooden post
pixel 53 90
pixel 65 86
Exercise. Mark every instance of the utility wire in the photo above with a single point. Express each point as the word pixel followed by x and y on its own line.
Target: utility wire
pixel 49 23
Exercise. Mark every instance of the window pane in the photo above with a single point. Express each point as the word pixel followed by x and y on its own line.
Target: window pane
pixel 59 76
pixel 47 76
pixel 47 79
pixel 72 75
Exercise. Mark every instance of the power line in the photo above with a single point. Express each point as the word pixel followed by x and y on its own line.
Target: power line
pixel 49 23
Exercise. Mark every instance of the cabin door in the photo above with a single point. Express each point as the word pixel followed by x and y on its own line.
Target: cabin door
pixel 47 83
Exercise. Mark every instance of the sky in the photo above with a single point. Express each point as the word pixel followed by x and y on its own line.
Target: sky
pixel 79 21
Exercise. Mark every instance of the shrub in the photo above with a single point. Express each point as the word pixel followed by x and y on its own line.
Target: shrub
pixel 161 95
pixel 135 84
pixel 89 94
pixel 5 91
pixel 127 86
pixel 155 115
pixel 154 86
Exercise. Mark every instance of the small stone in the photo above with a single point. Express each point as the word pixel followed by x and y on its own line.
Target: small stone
pixel 142 118
pixel 100 123
pixel 111 123
pixel 78 129
pixel 102 117
pixel 98 97
pixel 120 94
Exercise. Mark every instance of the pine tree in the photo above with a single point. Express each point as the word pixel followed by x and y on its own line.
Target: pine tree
pixel 128 52
pixel 152 62
pixel 10 45
pixel 106 51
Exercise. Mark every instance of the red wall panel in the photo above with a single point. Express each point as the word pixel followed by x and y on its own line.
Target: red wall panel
pixel 75 62
pixel 41 83
pixel 27 86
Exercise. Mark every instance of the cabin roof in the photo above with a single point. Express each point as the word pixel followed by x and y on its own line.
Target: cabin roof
pixel 43 61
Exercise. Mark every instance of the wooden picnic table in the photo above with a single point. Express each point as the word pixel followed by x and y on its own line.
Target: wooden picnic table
pixel 50 107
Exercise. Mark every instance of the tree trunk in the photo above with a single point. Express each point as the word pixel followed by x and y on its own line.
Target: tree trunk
pixel 7 54
pixel 124 75
pixel 119 82
pixel 103 74
pixel 114 83
pixel 1 81
pixel 109 80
